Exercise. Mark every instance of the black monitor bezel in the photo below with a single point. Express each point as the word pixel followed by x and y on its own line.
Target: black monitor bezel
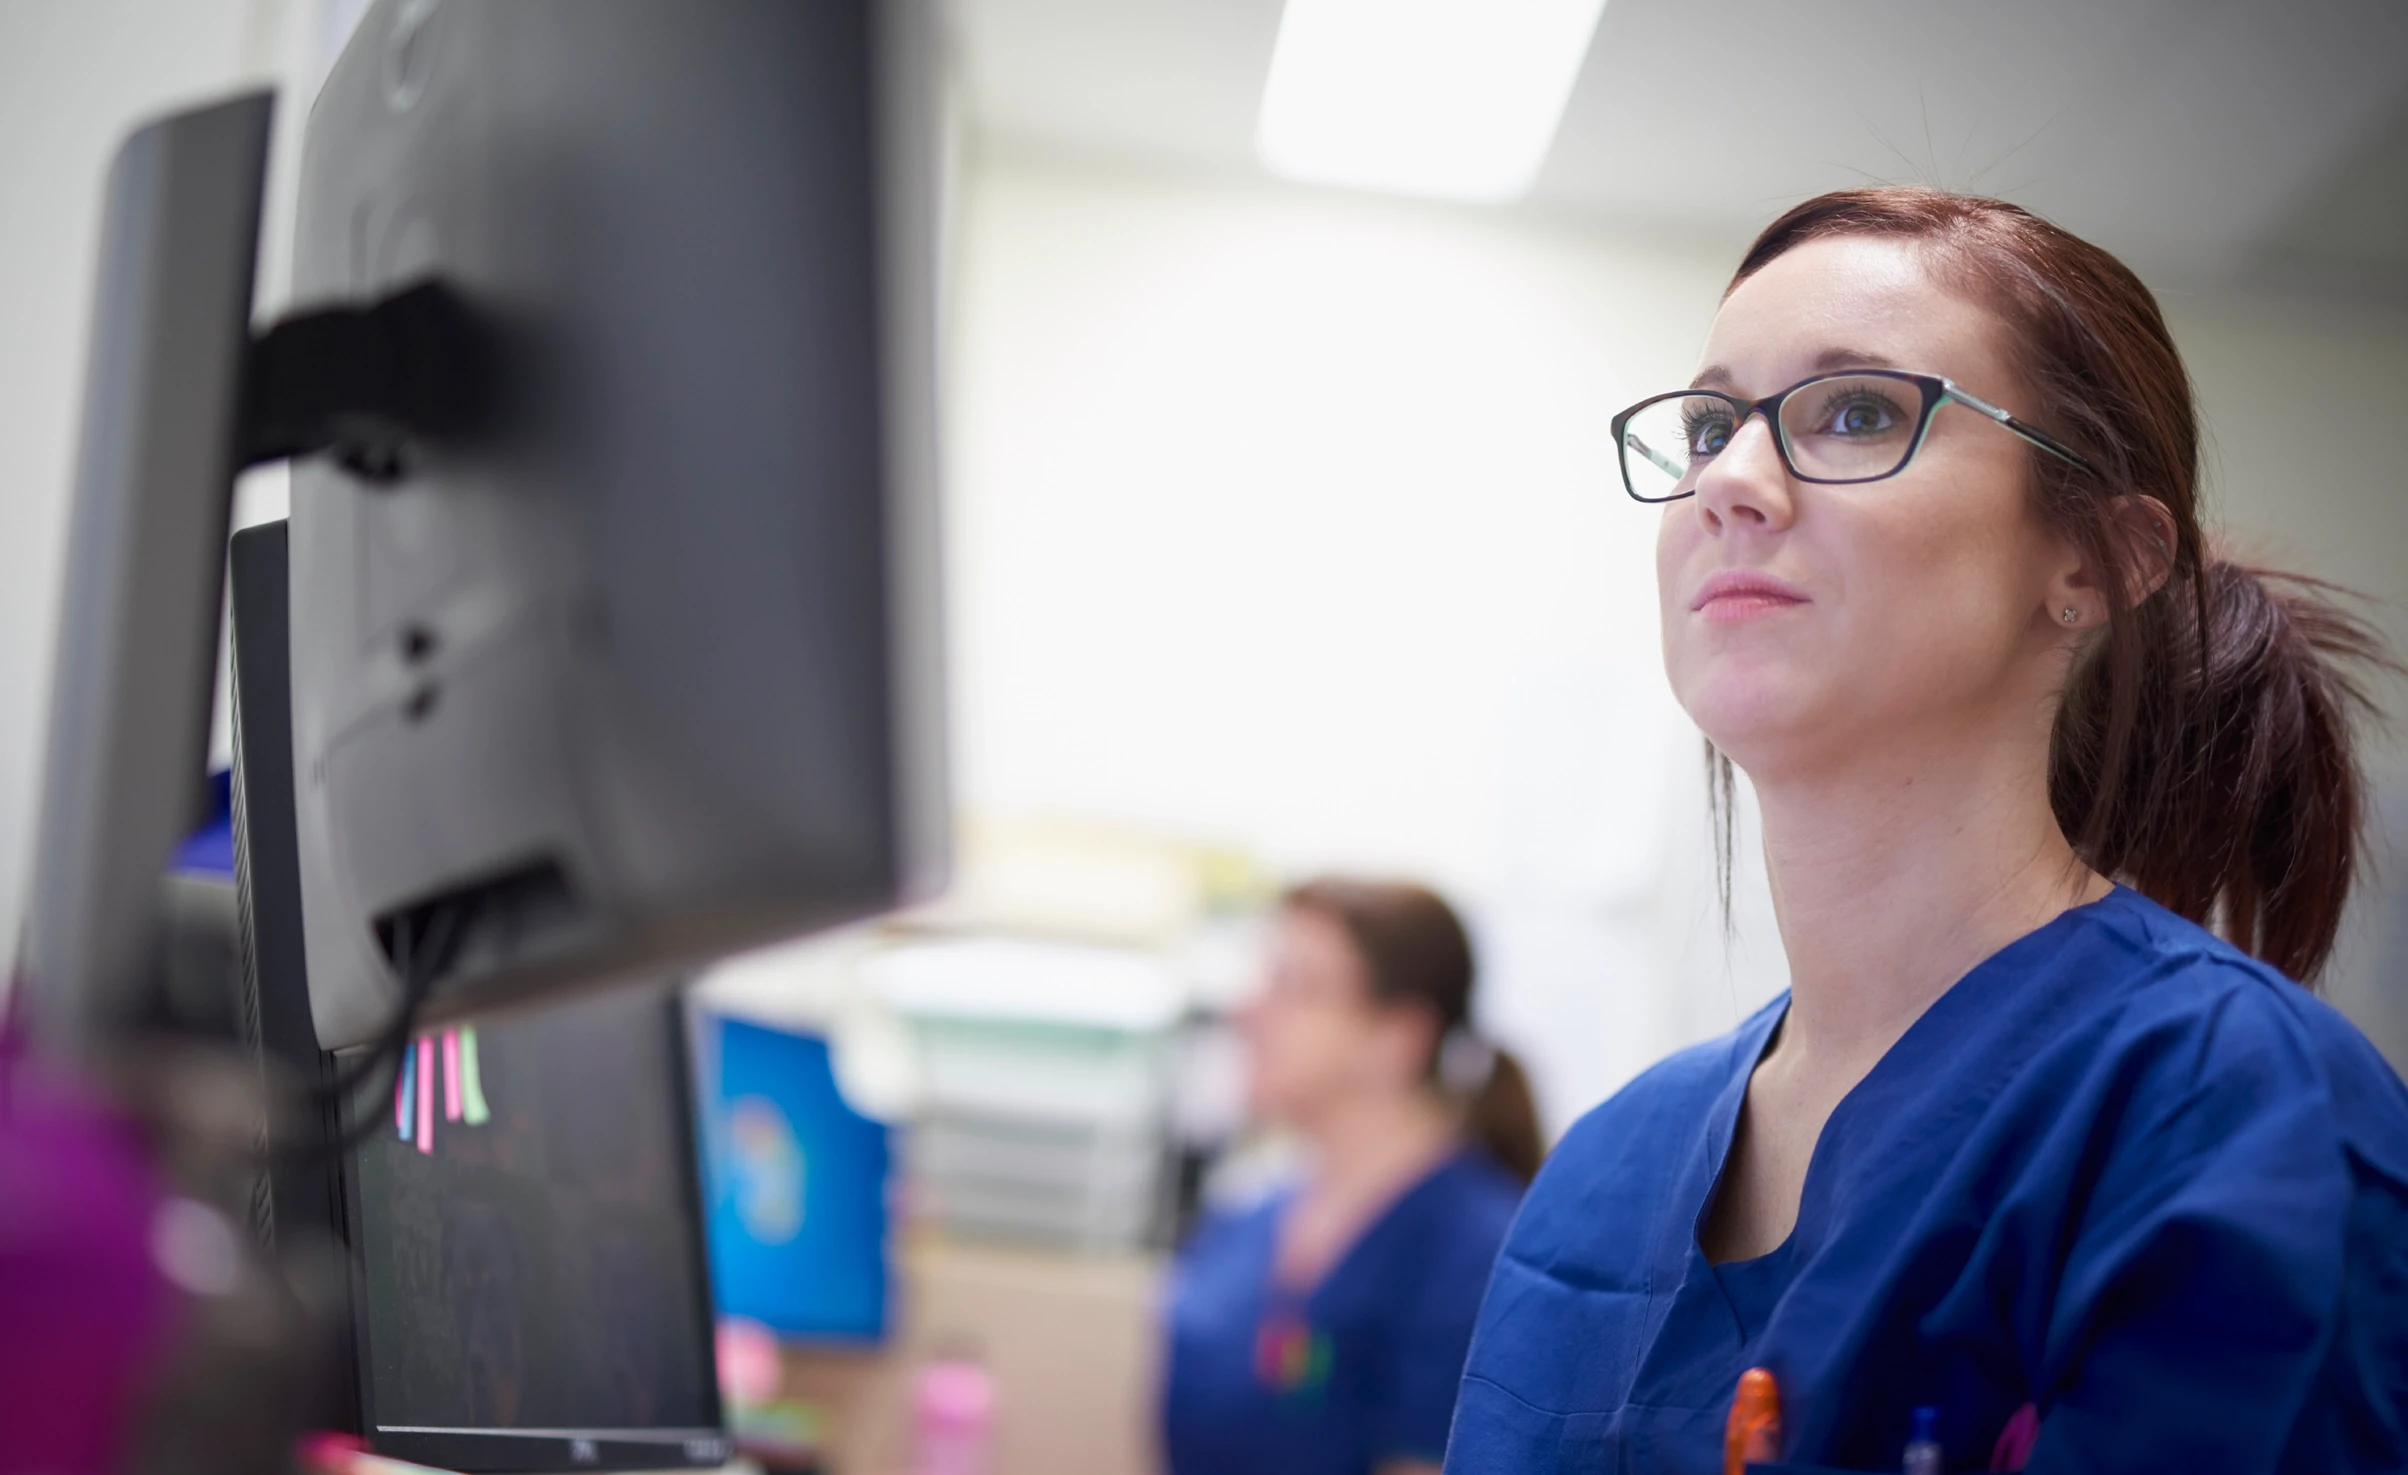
pixel 304 1184
pixel 565 1449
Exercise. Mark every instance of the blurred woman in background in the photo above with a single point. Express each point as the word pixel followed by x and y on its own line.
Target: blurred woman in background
pixel 1324 1330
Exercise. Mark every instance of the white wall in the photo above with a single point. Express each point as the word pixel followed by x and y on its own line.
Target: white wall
pixel 2304 467
pixel 1288 519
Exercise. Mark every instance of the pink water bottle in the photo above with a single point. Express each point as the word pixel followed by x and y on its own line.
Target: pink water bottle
pixel 954 1418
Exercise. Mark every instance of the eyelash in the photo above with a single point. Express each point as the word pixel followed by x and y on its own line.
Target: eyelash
pixel 1696 420
pixel 1850 399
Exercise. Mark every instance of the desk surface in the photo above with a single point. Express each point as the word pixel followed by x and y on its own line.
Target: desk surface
pixel 1071 1341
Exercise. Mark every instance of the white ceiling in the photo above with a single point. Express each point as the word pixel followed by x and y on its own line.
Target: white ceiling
pixel 2210 142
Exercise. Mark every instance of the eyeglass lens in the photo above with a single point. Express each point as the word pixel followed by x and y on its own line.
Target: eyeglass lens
pixel 1843 428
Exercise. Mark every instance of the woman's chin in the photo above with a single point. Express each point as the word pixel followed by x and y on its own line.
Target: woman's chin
pixel 1753 722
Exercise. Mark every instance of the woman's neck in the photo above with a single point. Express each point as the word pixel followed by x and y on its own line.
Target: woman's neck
pixel 1365 1151
pixel 1893 877
pixel 1371 1145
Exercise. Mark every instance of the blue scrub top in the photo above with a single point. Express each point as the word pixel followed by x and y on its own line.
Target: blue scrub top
pixel 2121 1172
pixel 1361 1368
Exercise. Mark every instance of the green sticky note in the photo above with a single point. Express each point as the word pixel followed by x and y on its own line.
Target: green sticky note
pixel 472 1085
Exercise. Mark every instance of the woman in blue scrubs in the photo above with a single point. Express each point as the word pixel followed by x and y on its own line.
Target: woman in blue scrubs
pixel 2023 1144
pixel 1323 1331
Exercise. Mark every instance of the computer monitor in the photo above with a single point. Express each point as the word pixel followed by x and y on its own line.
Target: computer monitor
pixel 619 657
pixel 796 1183
pixel 643 671
pixel 531 1289
pixel 524 1230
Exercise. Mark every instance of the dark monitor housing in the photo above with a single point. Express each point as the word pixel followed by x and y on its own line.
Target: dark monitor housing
pixel 530 1290
pixel 609 642
pixel 523 1234
pixel 646 671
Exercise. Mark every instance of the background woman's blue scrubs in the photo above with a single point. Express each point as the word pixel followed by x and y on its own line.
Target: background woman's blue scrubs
pixel 1361 1368
pixel 2120 1171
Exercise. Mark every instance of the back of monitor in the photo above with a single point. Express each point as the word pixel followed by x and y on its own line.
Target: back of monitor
pixel 649 673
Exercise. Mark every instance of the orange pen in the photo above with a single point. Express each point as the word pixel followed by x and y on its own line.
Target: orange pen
pixel 1753 1436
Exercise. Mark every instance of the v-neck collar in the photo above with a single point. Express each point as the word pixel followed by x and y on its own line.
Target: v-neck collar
pixel 1281 1293
pixel 1756 1037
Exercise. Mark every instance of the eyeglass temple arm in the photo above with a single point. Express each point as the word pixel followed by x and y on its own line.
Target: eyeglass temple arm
pixel 2039 438
pixel 1632 439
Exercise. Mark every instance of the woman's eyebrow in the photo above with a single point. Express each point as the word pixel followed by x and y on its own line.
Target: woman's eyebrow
pixel 1716 376
pixel 1851 358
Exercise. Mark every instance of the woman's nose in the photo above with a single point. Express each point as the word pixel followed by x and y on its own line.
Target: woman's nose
pixel 1747 486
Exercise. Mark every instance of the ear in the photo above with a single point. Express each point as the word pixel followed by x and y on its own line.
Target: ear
pixel 2145 540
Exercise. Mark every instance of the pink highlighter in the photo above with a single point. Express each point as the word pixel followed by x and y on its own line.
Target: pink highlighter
pixel 2014 1445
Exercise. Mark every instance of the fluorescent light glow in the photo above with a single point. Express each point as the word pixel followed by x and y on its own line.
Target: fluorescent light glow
pixel 1453 98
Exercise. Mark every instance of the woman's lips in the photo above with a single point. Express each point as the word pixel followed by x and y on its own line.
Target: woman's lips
pixel 1742 594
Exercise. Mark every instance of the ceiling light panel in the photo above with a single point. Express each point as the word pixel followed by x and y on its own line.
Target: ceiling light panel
pixel 1456 99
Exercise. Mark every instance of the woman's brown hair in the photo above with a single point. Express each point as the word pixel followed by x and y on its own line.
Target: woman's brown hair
pixel 2203 750
pixel 1415 952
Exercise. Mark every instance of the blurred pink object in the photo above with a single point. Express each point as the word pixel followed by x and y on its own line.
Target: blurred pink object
pixel 2014 1447
pixel 426 1093
pixel 749 1371
pixel 329 1453
pixel 954 1418
pixel 85 1312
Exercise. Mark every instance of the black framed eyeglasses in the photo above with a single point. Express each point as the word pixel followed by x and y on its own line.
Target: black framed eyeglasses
pixel 1835 429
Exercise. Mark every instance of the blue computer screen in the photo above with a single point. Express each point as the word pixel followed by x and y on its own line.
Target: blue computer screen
pixel 796 1184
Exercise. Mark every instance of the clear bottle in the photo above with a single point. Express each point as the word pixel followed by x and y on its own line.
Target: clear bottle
pixel 1923 1450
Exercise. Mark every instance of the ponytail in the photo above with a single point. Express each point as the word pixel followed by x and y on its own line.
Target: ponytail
pixel 1500 1116
pixel 2218 775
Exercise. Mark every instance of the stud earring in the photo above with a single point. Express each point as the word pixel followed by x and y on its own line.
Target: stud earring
pixel 2072 616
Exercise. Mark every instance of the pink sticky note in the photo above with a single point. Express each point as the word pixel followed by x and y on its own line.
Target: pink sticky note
pixel 426 1093
pixel 451 1075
